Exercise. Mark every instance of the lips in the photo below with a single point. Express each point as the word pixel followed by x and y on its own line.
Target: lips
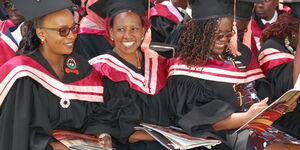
pixel 69 45
pixel 127 44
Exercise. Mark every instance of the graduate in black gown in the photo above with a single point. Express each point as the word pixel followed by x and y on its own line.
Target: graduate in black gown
pixel 276 58
pixel 92 39
pixel 47 87
pixel 214 91
pixel 132 77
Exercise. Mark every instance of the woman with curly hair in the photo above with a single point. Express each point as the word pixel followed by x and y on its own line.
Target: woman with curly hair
pixel 276 58
pixel 214 91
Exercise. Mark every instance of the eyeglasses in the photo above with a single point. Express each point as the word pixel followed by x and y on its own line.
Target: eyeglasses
pixel 220 36
pixel 64 32
pixel 8 5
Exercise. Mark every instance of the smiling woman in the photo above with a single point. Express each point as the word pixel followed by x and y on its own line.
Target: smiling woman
pixel 134 80
pixel 47 87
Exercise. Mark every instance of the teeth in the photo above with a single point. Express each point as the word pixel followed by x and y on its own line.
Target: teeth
pixel 128 44
pixel 69 44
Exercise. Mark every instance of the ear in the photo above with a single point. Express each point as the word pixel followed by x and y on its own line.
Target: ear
pixel 111 34
pixel 40 33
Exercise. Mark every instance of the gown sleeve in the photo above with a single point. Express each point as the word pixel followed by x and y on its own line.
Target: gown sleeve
pixel 197 107
pixel 282 81
pixel 90 45
pixel 23 124
pixel 119 115
pixel 161 28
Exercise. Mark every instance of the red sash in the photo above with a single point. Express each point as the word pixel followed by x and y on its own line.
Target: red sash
pixel 8 48
pixel 166 10
pixel 215 70
pixel 270 58
pixel 88 89
pixel 151 83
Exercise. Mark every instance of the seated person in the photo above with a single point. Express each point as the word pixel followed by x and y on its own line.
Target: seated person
pixel 134 80
pixel 47 87
pixel 276 59
pixel 215 94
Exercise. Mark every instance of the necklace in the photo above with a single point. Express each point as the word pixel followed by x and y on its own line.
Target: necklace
pixel 139 66
pixel 288 46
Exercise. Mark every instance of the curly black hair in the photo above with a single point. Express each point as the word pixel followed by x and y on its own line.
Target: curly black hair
pixel 282 28
pixel 197 41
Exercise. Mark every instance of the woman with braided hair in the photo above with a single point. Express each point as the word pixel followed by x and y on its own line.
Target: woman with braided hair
pixel 215 92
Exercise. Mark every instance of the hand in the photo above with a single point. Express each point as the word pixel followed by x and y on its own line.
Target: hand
pixel 58 146
pixel 257 108
pixel 140 135
pixel 105 140
pixel 291 107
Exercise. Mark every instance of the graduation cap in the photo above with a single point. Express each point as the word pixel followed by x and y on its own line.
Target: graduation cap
pixel 244 8
pixel 109 8
pixel 295 6
pixel 31 9
pixel 207 9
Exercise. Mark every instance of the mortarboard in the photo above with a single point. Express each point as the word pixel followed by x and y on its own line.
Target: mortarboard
pixel 244 8
pixel 207 9
pixel 295 6
pixel 109 8
pixel 31 9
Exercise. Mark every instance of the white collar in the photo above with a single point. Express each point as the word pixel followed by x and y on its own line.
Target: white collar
pixel 17 35
pixel 274 19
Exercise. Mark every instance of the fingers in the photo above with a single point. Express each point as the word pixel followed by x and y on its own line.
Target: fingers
pixel 265 100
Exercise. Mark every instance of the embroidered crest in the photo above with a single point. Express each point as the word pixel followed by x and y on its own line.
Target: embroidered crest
pixel 71 66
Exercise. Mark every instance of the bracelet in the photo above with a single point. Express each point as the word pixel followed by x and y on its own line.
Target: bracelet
pixel 103 135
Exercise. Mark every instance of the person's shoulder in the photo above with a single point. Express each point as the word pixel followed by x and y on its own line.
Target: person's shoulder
pixel 275 43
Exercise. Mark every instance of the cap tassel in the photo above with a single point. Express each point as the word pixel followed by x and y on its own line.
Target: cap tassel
pixel 233 42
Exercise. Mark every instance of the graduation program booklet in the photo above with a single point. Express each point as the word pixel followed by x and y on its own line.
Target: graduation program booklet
pixel 77 141
pixel 266 117
pixel 174 140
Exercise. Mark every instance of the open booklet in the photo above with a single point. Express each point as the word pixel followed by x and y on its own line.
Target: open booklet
pixel 174 140
pixel 77 141
pixel 267 116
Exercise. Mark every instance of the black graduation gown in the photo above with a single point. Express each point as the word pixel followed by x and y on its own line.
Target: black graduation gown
pixel 91 45
pixel 133 107
pixel 161 28
pixel 201 103
pixel 30 112
pixel 281 78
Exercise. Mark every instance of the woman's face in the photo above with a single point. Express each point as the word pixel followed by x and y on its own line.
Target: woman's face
pixel 223 35
pixel 55 43
pixel 127 32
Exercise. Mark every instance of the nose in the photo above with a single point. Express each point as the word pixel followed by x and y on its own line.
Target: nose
pixel 127 34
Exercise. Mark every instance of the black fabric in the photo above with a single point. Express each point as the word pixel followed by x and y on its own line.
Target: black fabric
pixel 109 8
pixel 201 103
pixel 30 112
pixel 244 8
pixel 281 78
pixel 91 45
pixel 207 9
pixel 161 28
pixel 133 107
pixel 37 8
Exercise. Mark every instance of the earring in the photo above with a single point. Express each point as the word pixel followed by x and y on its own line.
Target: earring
pixel 43 41
pixel 112 39
pixel 142 38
